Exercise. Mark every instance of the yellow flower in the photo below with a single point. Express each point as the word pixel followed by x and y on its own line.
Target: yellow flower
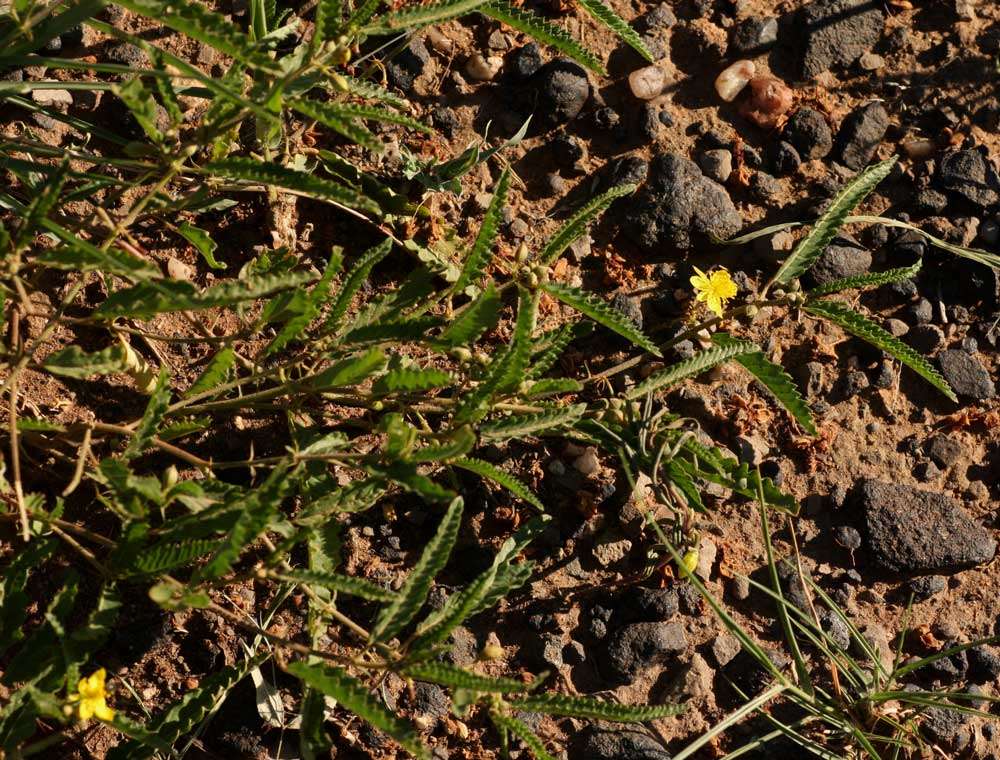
pixel 91 695
pixel 714 289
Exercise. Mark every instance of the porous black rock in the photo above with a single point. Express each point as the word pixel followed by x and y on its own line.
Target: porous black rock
pixel 910 530
pixel 809 132
pixel 969 174
pixel 598 743
pixel 637 647
pixel 560 89
pixel 837 32
pixel 860 134
pixel 966 374
pixel 679 207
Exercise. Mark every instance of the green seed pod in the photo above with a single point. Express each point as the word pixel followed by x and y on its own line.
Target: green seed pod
pixel 461 354
pixel 521 257
pixel 170 477
pixel 796 285
pixel 779 292
pixel 752 311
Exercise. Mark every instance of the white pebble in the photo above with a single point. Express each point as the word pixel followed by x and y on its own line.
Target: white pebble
pixel 648 82
pixel 733 79
pixel 483 69
pixel 587 463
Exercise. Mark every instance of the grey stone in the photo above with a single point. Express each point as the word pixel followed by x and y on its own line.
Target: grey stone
pixel 911 530
pixel 754 35
pixel 561 89
pixel 969 174
pixel 984 663
pixel 637 647
pixel 405 67
pixel 847 537
pixel 926 586
pixel 838 261
pixel 679 207
pixel 921 312
pixel 944 451
pixel 523 62
pixel 717 164
pixel 860 135
pixel 835 627
pixel 724 648
pixel 809 132
pixel 597 743
pixel 926 339
pixel 948 727
pixel 966 375
pixel 750 676
pixel 752 449
pixel 837 32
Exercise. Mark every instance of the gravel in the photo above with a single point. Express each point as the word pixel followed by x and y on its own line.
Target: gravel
pixel 837 32
pixel 966 374
pixel 860 135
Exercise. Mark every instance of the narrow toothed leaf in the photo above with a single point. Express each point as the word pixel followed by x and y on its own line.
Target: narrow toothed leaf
pixel 692 367
pixel 867 330
pixel 576 225
pixel 594 307
pixel 535 26
pixel 586 707
pixel 475 264
pixel 618 25
pixel 393 618
pixel 844 202
pixel 775 379
pixel 492 472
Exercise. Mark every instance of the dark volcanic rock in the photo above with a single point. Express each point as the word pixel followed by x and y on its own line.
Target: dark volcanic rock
pixel 839 260
pixel 926 586
pixel 925 338
pixel 971 175
pixel 808 131
pixel 679 207
pixel 750 676
pixel 626 744
pixel 860 134
pixel 909 530
pixel 837 32
pixel 524 61
pixel 966 374
pixel 561 89
pixel 638 647
pixel 753 35
pixel 409 64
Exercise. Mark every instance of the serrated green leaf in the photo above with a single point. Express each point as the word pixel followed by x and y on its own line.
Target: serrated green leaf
pixel 349 692
pixel 266 173
pixel 356 277
pixel 411 380
pixel 73 361
pixel 492 472
pixel 458 443
pixel 476 318
pixel 618 25
pixel 550 346
pixel 592 306
pixel 697 364
pixel 147 299
pixel 869 280
pixel 576 225
pixel 342 584
pixel 424 15
pixel 533 424
pixel 507 369
pixel 169 555
pixel 535 26
pixel 329 115
pixel 585 707
pixel 523 732
pixel 184 715
pixel 202 243
pixel 552 386
pixel 822 233
pixel 475 264
pixel 199 22
pixel 773 377
pixel 867 330
pixel 393 618
pixel 215 372
pixel 140 102
pixel 458 678
pixel 350 371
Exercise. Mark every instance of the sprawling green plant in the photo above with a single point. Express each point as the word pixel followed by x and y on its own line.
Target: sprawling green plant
pixel 376 392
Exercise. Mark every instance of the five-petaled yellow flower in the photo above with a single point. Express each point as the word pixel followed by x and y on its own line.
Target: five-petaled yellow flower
pixel 714 289
pixel 91 695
